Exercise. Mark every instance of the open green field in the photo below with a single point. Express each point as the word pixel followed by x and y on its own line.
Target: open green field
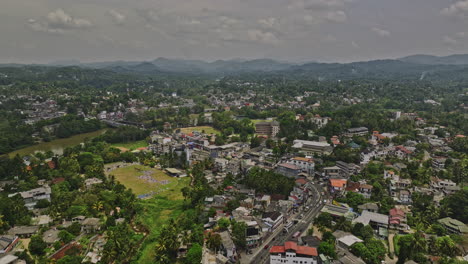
pixel 151 181
pixel 207 129
pixel 158 210
pixel 132 145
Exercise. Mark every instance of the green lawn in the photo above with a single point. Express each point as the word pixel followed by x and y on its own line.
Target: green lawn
pixel 129 176
pixel 207 129
pixel 156 211
pixel 132 145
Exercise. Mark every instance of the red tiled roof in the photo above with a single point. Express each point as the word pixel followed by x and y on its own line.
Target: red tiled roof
pixel 51 164
pixel 277 249
pixel 289 245
pixel 303 159
pixel 338 183
pixel 396 212
pixel 301 181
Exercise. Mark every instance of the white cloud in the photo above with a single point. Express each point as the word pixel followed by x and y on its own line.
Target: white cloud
pixel 354 44
pixel 117 17
pixel 381 32
pixel 461 34
pixel 265 37
pixel 58 21
pixel 337 16
pixel 459 9
pixel 449 40
pixel 268 22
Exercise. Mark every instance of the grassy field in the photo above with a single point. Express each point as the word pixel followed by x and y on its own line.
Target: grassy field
pixel 129 176
pixel 207 129
pixel 132 145
pixel 158 210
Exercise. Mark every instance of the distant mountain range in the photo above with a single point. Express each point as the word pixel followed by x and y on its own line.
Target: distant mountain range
pixel 412 67
pixel 457 59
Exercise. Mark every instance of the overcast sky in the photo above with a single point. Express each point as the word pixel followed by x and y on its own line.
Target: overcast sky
pixel 294 30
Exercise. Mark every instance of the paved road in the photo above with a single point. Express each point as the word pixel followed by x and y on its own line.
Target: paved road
pixel 262 256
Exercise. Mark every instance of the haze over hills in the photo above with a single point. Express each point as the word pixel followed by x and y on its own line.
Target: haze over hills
pixel 412 67
pixel 456 59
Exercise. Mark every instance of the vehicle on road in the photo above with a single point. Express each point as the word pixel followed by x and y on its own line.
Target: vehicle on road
pixel 266 246
pixel 297 234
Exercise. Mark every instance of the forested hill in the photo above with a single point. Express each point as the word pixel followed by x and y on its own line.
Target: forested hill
pixel 167 69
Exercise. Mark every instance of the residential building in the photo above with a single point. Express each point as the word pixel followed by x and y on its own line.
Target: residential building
pixel 347 169
pixel 397 220
pixel 23 231
pixel 288 170
pixel 272 219
pixel 347 241
pixel 31 197
pixel 270 129
pixel 307 165
pixel 373 219
pixel 7 243
pixel 229 249
pixel 291 253
pixel 337 185
pixel 90 225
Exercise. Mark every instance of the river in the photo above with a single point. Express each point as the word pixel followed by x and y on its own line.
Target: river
pixel 58 145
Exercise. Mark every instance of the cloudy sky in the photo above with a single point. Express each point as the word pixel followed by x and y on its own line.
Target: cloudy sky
pixel 294 30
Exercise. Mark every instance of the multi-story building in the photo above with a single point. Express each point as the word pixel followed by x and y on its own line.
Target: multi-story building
pixel 311 147
pixel 357 131
pixel 31 197
pixel 307 165
pixel 288 170
pixel 291 253
pixel 270 129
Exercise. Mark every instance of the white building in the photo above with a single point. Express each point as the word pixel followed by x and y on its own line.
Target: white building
pixel 307 165
pixel 291 253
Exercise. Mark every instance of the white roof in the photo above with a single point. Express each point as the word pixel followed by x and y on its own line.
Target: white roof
pixel 367 217
pixel 8 259
pixel 350 240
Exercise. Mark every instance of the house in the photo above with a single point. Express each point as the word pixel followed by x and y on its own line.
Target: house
pixel 31 197
pixel 272 219
pixel 291 253
pixel 307 165
pixel 253 234
pixel 438 163
pixel 312 147
pixel 397 220
pixel 331 172
pixel 337 185
pixel 401 152
pixel 453 225
pixel 270 129
pixel 347 241
pixel 90 225
pixel 371 207
pixel 288 170
pixel 347 169
pixel 373 219
pixel 23 231
pixel 366 190
pixel 337 211
pixel 357 131
pixel 319 121
pixel 51 236
pixel 7 243
pixel 229 249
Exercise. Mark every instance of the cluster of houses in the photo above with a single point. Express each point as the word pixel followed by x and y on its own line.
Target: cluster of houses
pixel 44 225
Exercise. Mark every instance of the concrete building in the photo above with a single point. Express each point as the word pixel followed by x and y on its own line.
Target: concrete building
pixel 270 129
pixel 307 165
pixel 311 147
pixel 291 253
